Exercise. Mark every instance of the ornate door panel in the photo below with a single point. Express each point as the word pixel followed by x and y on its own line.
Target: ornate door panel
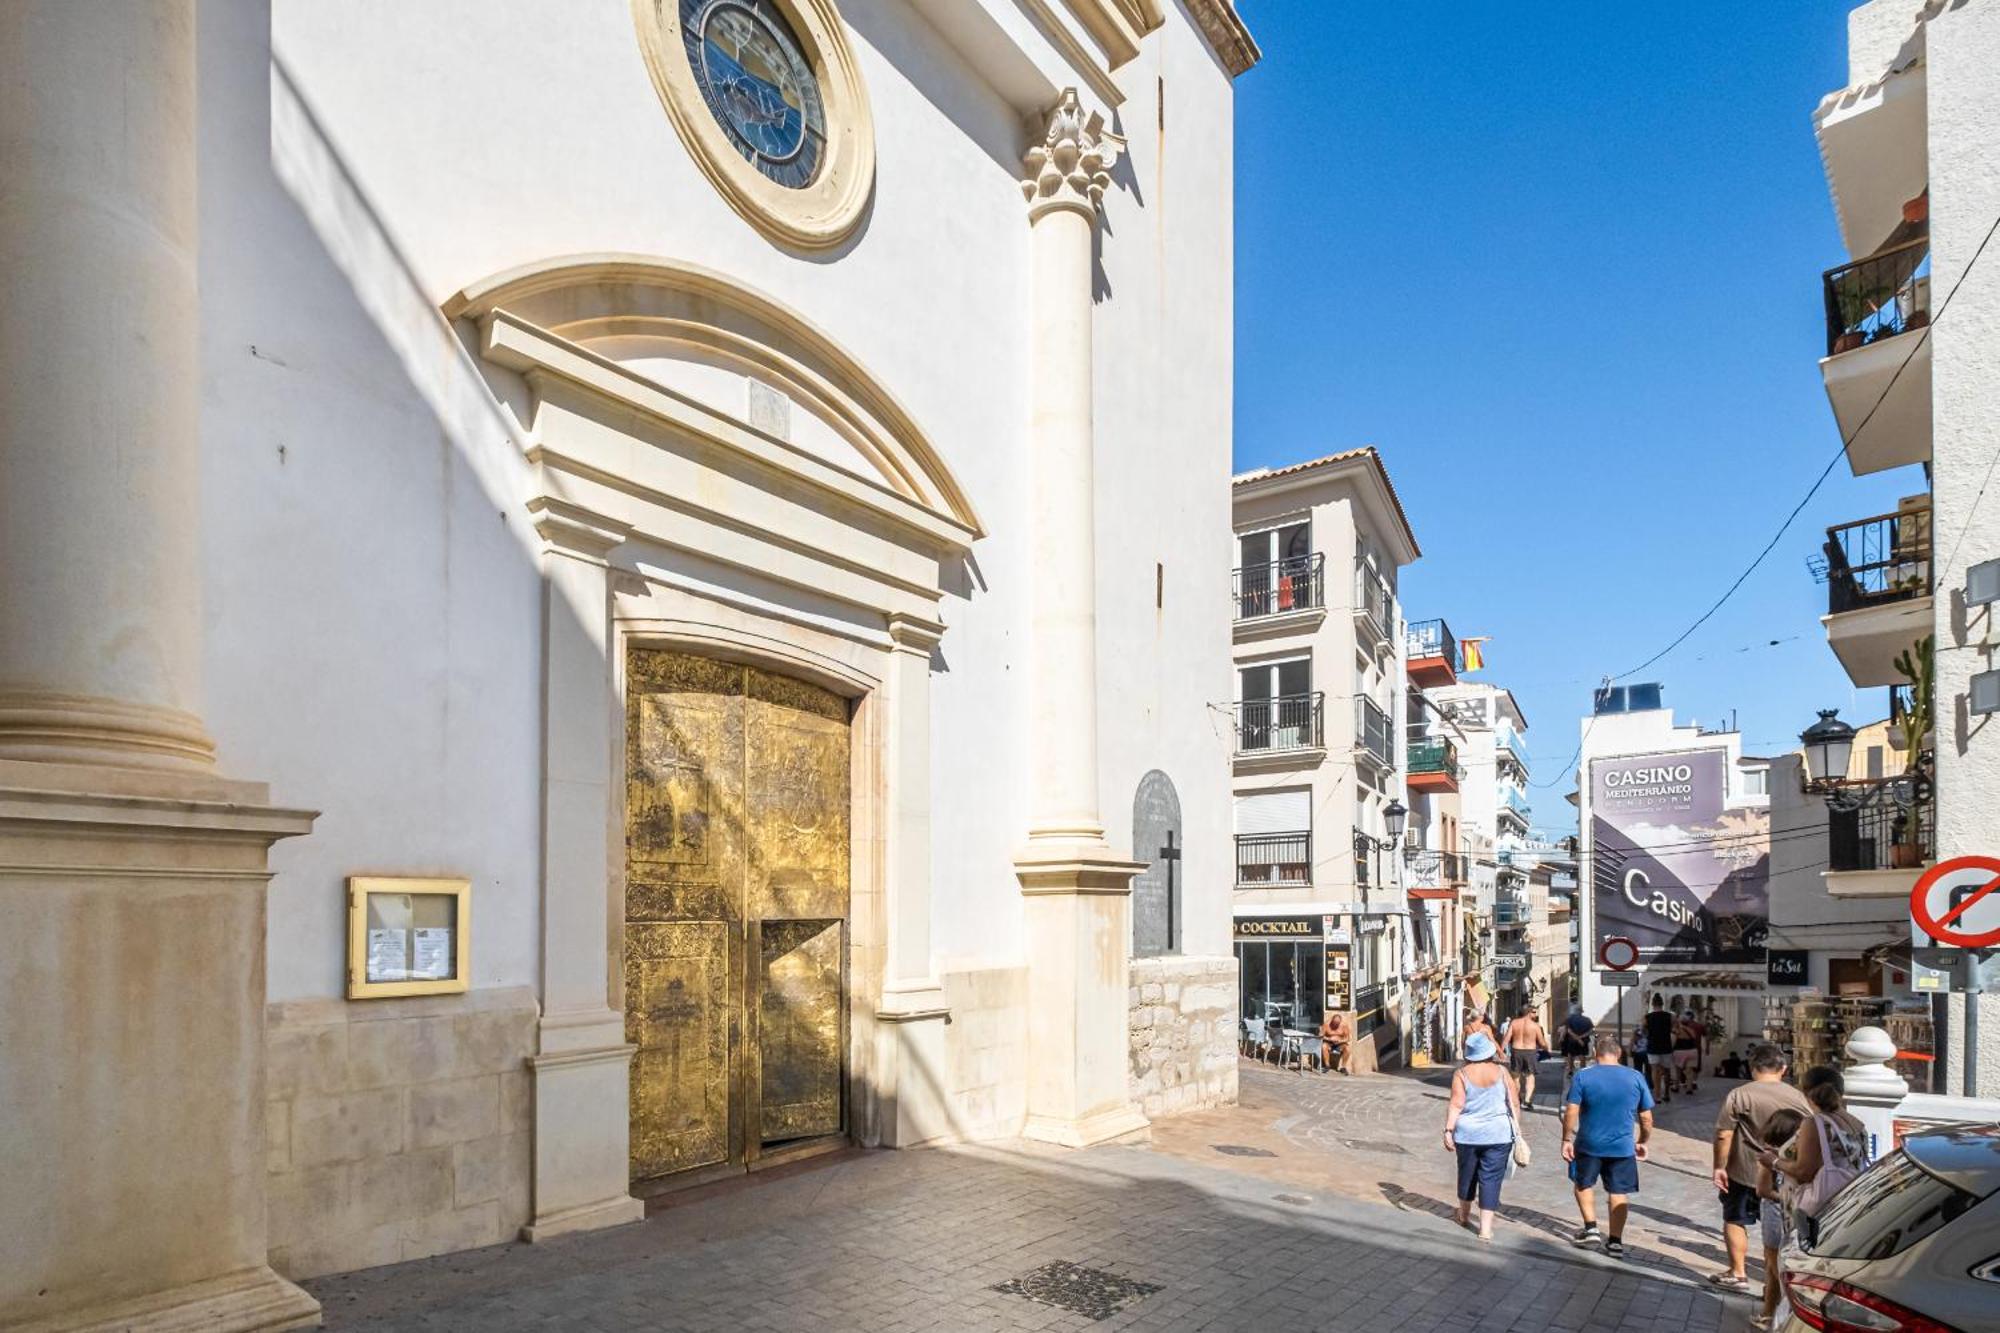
pixel 736 900
pixel 800 1004
pixel 678 1006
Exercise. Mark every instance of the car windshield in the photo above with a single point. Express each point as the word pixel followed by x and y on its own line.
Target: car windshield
pixel 1886 1210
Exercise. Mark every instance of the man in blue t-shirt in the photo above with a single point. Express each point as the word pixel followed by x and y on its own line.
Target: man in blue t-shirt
pixel 1605 1102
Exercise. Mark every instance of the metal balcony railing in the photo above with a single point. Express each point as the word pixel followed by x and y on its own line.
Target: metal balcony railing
pixel 1514 799
pixel 1274 858
pixel 1373 600
pixel 1878 297
pixel 1879 560
pixel 1433 754
pixel 1893 828
pixel 1509 741
pixel 1297 584
pixel 1288 722
pixel 1374 733
pixel 1436 870
pixel 1432 638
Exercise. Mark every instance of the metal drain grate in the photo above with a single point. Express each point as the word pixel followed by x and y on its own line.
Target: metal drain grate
pixel 1371 1145
pixel 1240 1150
pixel 1090 1292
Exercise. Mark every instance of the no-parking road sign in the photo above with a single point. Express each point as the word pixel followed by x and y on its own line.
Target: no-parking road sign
pixel 1957 902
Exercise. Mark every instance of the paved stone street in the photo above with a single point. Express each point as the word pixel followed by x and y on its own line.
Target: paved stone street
pixel 1321 1234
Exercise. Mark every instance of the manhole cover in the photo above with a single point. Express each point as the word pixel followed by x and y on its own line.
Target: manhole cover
pixel 1241 1150
pixel 1298 1200
pixel 1369 1145
pixel 1090 1292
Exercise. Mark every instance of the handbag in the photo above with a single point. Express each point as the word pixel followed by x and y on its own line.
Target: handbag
pixel 1818 1192
pixel 1522 1154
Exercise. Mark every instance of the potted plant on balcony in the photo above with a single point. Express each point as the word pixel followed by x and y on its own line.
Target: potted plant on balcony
pixel 1917 665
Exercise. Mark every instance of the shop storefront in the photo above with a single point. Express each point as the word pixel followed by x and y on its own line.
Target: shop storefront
pixel 1293 968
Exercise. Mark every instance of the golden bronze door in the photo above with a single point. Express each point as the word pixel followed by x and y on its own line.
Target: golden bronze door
pixel 735 911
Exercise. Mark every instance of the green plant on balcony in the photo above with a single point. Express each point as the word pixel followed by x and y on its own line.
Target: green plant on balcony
pixel 1917 665
pixel 1858 304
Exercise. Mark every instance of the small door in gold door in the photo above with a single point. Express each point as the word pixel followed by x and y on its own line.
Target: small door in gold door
pixel 736 903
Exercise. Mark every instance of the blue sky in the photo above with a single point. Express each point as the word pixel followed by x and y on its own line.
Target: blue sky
pixel 1561 264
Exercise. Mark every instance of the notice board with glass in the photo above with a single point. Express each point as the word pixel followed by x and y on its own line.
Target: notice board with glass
pixel 407 936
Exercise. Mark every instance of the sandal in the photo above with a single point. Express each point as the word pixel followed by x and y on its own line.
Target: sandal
pixel 1728 1282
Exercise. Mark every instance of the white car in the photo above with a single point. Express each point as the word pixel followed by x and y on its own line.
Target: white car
pixel 1912 1245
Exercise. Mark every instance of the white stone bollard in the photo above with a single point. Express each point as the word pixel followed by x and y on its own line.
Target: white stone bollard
pixel 1873 1089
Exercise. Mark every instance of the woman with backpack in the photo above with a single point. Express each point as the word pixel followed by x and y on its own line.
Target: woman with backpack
pixel 1830 1149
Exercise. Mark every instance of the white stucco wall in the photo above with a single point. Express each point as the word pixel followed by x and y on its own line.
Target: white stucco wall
pixel 1963 51
pixel 385 670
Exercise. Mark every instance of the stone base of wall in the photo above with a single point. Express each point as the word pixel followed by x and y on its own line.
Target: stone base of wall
pixel 986 1092
pixel 397 1129
pixel 1183 1025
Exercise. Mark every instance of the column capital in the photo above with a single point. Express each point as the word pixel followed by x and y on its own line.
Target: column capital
pixel 912 634
pixel 1069 165
pixel 572 530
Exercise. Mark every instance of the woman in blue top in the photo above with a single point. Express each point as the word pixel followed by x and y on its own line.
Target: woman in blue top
pixel 1479 1127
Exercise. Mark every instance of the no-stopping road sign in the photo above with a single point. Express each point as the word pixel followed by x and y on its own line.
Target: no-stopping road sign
pixel 1957 902
pixel 1618 953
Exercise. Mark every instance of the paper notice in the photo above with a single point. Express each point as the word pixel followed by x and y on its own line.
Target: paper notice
pixel 434 954
pixel 388 955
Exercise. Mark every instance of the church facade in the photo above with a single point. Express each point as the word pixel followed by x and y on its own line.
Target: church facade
pixel 597 596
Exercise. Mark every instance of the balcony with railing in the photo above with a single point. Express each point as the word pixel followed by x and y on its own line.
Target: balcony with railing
pixel 1886 824
pixel 1374 608
pixel 1374 735
pixel 1878 590
pixel 1509 743
pixel 1872 372
pixel 1433 764
pixel 1433 654
pixel 1511 800
pixel 1265 860
pixel 1288 722
pixel 1435 874
pixel 1280 587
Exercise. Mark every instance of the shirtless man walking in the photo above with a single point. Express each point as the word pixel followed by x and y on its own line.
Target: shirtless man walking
pixel 1525 1043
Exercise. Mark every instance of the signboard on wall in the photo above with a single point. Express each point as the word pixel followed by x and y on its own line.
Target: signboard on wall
pixel 1785 967
pixel 1686 878
pixel 1339 979
pixel 1277 927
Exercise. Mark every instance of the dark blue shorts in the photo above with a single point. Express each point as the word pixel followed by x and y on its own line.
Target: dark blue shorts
pixel 1619 1175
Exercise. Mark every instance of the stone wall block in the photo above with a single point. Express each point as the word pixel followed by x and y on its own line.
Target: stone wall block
pixel 493 1041
pixel 411 1184
pixel 454 1111
pixel 490 1170
pixel 300 1204
pixel 517 1099
pixel 341 1253
pixel 461 1229
pixel 347 1127
pixel 405 1049
pixel 305 1059
pixel 277 1136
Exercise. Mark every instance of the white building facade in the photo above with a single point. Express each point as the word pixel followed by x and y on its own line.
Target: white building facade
pixel 1913 168
pixel 649 467
pixel 1316 728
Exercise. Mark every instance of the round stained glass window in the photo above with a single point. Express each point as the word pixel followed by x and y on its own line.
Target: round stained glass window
pixel 758 83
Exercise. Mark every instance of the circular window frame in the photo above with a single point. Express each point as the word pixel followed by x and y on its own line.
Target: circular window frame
pixel 816 216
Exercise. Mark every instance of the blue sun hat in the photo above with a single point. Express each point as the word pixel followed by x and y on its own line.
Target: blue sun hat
pixel 1479 1047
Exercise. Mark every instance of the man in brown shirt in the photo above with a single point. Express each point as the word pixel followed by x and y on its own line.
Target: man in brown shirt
pixel 1742 1130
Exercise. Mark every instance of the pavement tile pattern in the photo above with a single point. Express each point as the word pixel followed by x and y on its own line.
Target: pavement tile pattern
pixel 935 1240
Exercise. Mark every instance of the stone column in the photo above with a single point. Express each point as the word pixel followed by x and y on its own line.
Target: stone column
pixel 1078 890
pixel 582 1066
pixel 912 1060
pixel 132 877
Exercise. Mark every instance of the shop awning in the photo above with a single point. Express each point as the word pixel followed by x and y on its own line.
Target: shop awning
pixel 1727 981
pixel 1475 994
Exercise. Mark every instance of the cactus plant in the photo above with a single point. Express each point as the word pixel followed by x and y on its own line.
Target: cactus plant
pixel 1917 665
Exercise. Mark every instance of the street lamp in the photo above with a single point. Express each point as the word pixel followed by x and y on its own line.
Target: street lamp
pixel 1393 817
pixel 1829 745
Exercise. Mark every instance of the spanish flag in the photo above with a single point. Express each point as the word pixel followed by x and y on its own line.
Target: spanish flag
pixel 1475 653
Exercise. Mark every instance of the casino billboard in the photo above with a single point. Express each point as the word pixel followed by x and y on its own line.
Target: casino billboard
pixel 1686 877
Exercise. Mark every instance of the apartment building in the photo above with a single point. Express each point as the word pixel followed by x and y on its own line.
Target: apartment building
pixel 1494 826
pixel 1912 162
pixel 1437 855
pixel 1321 915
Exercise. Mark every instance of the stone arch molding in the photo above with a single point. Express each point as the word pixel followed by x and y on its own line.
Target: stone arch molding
pixel 644 379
